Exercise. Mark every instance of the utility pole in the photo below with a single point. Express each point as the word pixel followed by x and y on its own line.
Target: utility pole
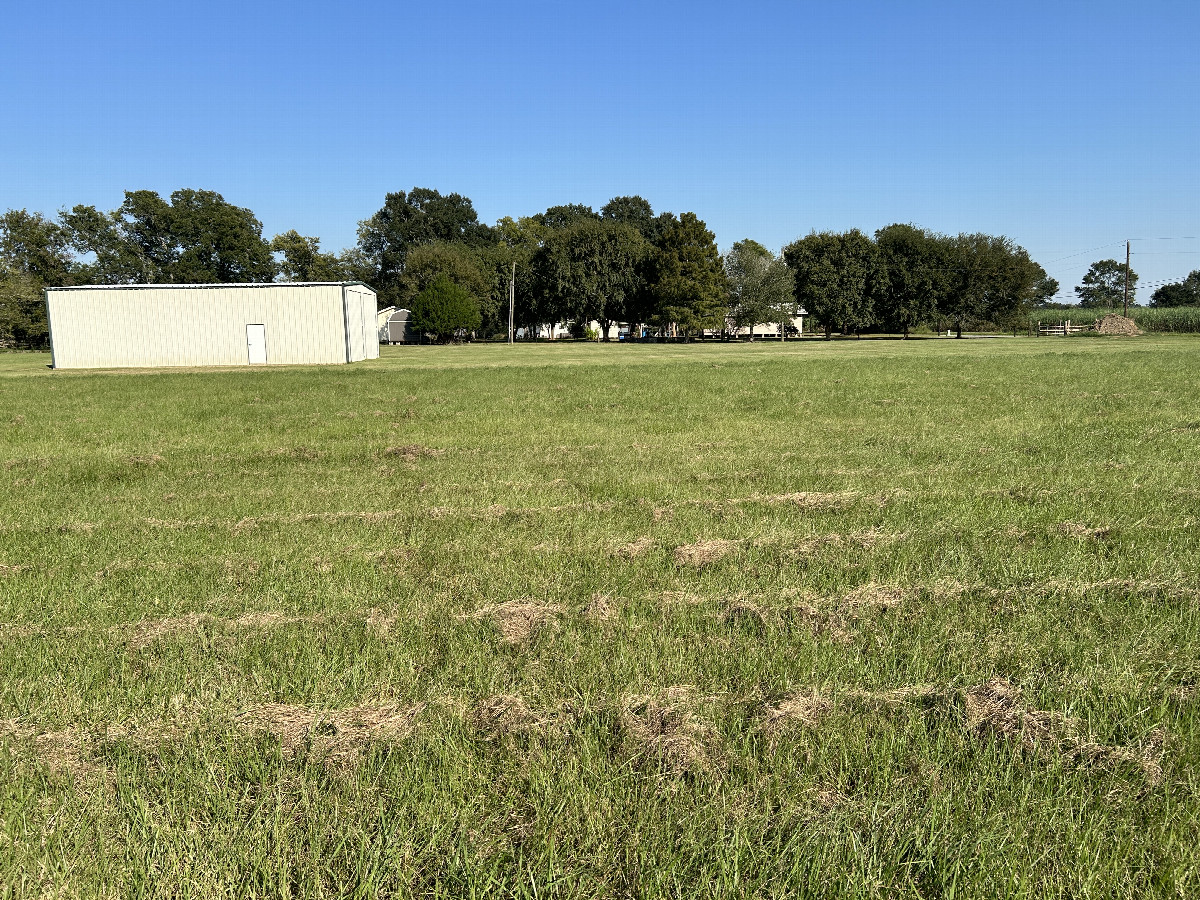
pixel 512 296
pixel 1126 314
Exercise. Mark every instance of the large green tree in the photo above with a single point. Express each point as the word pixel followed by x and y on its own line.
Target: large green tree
pixel 22 310
pixel 1179 293
pixel 991 279
pixel 687 286
pixel 408 220
pixel 761 287
pixel 37 247
pixel 460 263
pixel 444 310
pixel 516 244
pixel 591 270
pixel 1104 285
pixel 196 237
pixel 913 265
pixel 303 260
pixel 836 275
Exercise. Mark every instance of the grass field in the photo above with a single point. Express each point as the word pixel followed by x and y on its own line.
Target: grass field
pixel 865 618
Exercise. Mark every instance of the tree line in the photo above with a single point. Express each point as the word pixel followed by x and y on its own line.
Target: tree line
pixel 573 264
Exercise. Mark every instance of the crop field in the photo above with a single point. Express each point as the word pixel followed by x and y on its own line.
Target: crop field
pixel 860 618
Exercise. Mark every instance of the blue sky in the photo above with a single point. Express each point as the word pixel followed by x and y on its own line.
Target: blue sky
pixel 1067 126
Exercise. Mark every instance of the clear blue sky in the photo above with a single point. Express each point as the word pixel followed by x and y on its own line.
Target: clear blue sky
pixel 1066 126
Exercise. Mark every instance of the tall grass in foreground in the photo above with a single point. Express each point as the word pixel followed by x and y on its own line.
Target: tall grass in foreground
pixel 863 619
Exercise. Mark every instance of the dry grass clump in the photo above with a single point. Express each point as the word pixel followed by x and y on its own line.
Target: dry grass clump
pixel 995 708
pixel 601 608
pixel 702 553
pixel 806 708
pixel 504 715
pixel 875 597
pixel 11 570
pixel 746 614
pixel 152 459
pixel 146 632
pixel 634 549
pixel 1079 530
pixel 59 751
pixel 338 737
pixel 518 621
pixel 665 728
pixel 410 452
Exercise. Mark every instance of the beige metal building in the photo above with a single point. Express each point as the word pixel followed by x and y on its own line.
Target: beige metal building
pixel 113 326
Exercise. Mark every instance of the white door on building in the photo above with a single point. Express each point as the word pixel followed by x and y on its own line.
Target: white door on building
pixel 256 344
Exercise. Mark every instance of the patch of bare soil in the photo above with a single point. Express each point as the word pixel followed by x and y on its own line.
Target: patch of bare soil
pixel 702 553
pixel 634 549
pixel 337 737
pixel 518 621
pixel 665 729
pixel 1115 324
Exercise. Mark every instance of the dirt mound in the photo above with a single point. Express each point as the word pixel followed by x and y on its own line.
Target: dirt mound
pixel 1114 324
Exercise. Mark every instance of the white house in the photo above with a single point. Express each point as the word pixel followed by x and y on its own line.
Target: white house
pixel 110 326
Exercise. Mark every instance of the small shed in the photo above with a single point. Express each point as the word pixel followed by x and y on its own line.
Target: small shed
pixel 113 326
pixel 397 330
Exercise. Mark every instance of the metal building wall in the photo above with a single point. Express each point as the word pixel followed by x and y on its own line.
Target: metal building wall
pixel 196 325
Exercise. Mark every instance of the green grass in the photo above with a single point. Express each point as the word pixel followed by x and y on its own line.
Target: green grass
pixel 250 644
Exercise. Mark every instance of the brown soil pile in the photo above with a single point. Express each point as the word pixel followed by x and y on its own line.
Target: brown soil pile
pixel 1114 324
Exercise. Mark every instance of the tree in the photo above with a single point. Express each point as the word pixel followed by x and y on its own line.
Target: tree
pixel 686 280
pixel 990 278
pixel 1104 285
pixel 634 210
pixel 761 287
pixel 408 220
pixel 444 309
pixel 458 262
pixel 565 216
pixel 36 247
pixel 517 242
pixel 590 270
pixel 912 274
pixel 836 277
pixel 198 237
pixel 303 259
pixel 22 310
pixel 1179 293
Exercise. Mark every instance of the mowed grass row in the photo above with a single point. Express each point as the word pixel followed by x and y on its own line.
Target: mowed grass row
pixel 857 618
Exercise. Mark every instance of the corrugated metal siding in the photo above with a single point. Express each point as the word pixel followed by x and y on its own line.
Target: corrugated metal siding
pixel 190 326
